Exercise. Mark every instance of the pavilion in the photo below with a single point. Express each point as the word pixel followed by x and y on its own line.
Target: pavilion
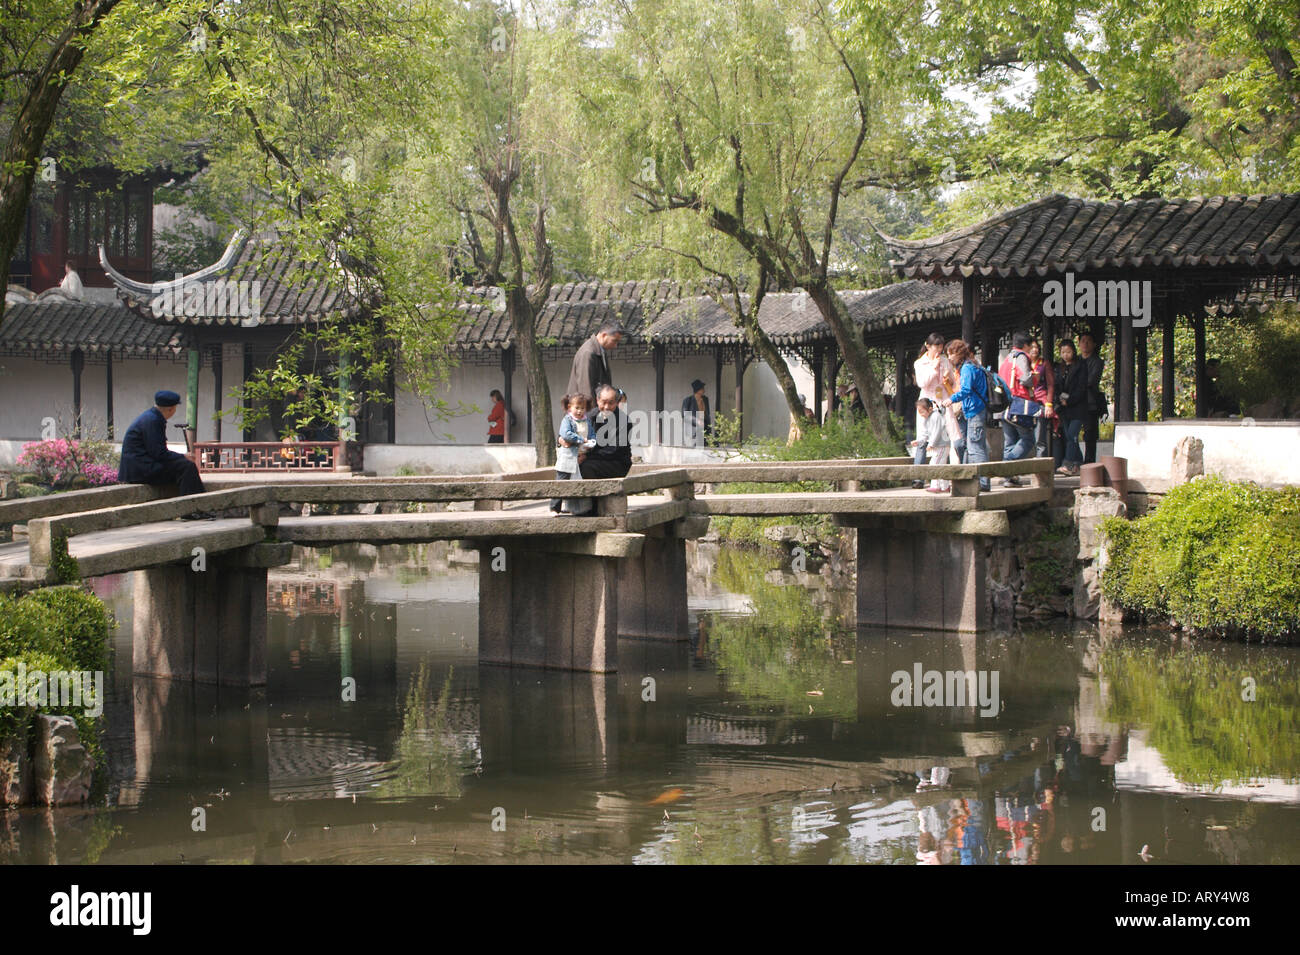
pixel 1212 256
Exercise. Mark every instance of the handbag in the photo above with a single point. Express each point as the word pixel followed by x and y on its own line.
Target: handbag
pixel 1024 408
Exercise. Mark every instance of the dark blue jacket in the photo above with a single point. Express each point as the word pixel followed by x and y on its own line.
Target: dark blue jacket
pixel 144 449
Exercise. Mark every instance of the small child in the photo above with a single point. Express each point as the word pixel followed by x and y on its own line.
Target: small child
pixel 575 432
pixel 936 441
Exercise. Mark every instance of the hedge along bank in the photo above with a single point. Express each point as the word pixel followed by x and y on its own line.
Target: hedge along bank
pixel 1215 556
pixel 53 655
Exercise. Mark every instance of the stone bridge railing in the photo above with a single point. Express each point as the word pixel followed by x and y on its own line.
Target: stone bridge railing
pixel 58 518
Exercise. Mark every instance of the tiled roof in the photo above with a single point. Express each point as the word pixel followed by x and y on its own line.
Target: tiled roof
pixel 292 290
pixel 31 327
pixel 573 312
pixel 672 313
pixel 1058 233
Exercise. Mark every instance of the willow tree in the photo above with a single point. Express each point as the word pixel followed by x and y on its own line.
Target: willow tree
pixel 753 120
pixel 323 135
pixel 497 184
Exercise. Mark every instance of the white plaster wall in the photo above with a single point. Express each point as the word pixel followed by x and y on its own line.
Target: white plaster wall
pixel 1266 452
pixel 31 390
pixel 765 407
pixel 386 459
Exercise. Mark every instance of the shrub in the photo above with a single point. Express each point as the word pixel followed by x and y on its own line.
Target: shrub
pixel 1216 556
pixel 14 719
pixel 69 623
pixel 59 463
pixel 838 438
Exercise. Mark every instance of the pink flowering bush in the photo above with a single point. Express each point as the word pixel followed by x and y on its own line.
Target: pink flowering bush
pixel 60 462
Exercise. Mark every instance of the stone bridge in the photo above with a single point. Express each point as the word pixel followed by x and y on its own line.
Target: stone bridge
pixel 554 591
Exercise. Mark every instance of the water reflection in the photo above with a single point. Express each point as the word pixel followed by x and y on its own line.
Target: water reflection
pixel 774 736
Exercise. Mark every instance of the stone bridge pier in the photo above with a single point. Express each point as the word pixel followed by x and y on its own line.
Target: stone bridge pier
pixel 926 573
pixel 205 623
pixel 563 602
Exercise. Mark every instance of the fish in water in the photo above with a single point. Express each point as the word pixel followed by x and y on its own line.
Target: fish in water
pixel 667 796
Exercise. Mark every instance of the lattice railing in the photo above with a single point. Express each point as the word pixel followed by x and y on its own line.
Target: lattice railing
pixel 302 597
pixel 268 455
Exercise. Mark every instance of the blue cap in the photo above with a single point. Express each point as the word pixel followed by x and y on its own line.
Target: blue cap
pixel 166 399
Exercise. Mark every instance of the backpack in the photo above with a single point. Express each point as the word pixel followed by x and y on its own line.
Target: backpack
pixel 998 390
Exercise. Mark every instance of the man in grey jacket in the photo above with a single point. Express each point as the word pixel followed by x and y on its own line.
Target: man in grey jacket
pixel 591 364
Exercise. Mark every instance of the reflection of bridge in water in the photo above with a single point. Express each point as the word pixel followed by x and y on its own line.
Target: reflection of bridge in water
pixel 511 737
pixel 555 592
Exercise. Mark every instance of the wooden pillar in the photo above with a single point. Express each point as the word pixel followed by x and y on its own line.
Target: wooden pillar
pixel 717 376
pixel 108 390
pixel 657 355
pixel 1167 369
pixel 529 399
pixel 1198 326
pixel 78 365
pixel 508 391
pixel 1124 369
pixel 970 306
pixel 819 380
pixel 216 389
pixel 248 373
pixel 346 433
pixel 740 391
pixel 390 409
pixel 1047 344
pixel 1143 376
pixel 900 374
pixel 836 363
pixel 988 343
pixel 192 394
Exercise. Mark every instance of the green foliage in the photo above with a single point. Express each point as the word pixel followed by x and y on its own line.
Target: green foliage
pixel 15 720
pixel 429 759
pixel 1191 701
pixel 1048 561
pixel 1110 98
pixel 839 437
pixel 58 628
pixel 786 648
pixel 62 564
pixel 1215 556
pixel 69 623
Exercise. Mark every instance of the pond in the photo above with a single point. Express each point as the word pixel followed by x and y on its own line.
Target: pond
pixel 778 734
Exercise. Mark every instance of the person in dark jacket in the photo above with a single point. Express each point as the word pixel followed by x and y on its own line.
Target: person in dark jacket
pixel 1096 400
pixel 145 458
pixel 612 455
pixel 590 367
pixel 696 412
pixel 1071 407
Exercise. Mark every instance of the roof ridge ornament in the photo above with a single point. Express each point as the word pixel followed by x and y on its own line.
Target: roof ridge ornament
pixel 154 288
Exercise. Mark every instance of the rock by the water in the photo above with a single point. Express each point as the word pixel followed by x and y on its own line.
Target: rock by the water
pixel 63 768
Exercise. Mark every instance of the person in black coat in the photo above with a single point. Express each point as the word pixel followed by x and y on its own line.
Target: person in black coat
pixel 590 367
pixel 145 458
pixel 696 412
pixel 1072 407
pixel 1096 400
pixel 612 455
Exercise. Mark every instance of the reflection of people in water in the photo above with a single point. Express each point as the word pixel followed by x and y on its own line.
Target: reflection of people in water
pixel 1085 780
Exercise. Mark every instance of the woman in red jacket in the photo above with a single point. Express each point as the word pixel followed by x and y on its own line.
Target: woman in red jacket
pixel 497 419
pixel 1045 395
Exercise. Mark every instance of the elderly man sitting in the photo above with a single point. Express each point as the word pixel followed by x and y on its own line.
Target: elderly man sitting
pixel 145 458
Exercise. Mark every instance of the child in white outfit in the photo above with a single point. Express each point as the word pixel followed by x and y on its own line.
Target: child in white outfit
pixel 936 441
pixel 575 431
